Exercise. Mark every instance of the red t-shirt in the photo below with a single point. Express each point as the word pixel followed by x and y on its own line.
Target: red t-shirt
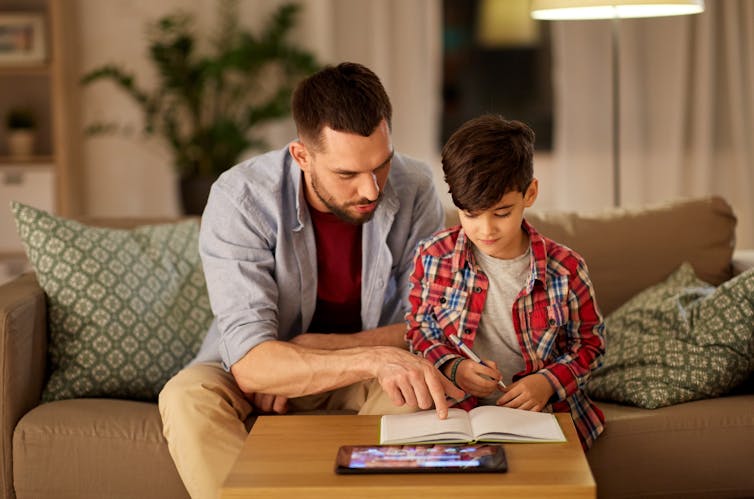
pixel 338 274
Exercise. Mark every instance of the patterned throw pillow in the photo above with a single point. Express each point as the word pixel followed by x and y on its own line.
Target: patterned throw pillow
pixel 678 341
pixel 127 308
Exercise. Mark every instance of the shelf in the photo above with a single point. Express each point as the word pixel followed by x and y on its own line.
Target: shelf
pixel 41 69
pixel 41 160
pixel 48 86
pixel 28 164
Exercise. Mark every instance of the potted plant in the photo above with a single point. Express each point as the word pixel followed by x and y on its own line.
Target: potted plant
pixel 21 125
pixel 207 106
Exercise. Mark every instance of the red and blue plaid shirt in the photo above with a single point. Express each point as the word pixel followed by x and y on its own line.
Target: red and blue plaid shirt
pixel 559 327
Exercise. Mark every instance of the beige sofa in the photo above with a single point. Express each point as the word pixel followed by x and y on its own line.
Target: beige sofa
pixel 97 448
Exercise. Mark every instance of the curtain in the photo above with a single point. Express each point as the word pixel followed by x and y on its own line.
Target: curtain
pixel 686 110
pixel 401 42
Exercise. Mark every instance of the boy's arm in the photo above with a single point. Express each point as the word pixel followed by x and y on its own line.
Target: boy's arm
pixel 424 336
pixel 585 338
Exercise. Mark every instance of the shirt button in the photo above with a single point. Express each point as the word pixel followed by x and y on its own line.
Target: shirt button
pixel 552 322
pixel 443 300
pixel 467 330
pixel 380 283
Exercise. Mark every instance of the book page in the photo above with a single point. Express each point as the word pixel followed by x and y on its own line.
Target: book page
pixel 425 426
pixel 491 422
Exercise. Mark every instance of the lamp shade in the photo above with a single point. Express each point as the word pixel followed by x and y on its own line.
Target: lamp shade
pixel 601 9
pixel 505 23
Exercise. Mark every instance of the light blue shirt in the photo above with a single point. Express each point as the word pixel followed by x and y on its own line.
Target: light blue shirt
pixel 260 259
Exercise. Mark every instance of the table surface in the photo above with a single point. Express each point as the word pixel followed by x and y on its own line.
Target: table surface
pixel 294 456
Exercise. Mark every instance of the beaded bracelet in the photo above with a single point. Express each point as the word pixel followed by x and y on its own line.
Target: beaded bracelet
pixel 454 369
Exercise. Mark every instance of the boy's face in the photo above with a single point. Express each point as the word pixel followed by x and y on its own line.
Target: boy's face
pixel 497 231
pixel 347 174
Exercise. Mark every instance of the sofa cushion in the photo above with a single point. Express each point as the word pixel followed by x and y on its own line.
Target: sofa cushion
pixel 127 308
pixel 677 341
pixel 700 449
pixel 93 448
pixel 628 250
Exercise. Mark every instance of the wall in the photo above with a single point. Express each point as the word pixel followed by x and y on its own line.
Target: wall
pixel 400 41
pixel 133 176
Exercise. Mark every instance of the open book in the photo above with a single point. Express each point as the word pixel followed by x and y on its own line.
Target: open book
pixel 487 423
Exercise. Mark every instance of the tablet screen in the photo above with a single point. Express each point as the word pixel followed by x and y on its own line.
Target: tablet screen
pixel 421 458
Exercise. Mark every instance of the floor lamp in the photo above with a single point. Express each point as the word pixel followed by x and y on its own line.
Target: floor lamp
pixel 571 10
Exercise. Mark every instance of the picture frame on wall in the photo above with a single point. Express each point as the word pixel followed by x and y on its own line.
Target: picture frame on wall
pixel 22 39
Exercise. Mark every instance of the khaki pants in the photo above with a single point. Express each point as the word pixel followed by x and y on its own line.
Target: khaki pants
pixel 206 419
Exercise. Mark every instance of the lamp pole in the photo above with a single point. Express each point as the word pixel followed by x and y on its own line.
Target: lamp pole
pixel 616 110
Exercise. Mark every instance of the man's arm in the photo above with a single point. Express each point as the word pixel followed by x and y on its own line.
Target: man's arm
pixel 392 335
pixel 290 370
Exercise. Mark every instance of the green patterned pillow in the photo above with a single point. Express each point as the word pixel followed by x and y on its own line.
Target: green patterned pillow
pixel 678 341
pixel 127 308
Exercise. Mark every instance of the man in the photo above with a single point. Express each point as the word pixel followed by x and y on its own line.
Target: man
pixel 297 245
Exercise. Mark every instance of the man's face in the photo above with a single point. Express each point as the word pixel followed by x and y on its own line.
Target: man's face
pixel 345 175
pixel 497 231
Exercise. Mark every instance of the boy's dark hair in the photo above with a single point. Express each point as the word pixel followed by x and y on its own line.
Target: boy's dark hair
pixel 486 158
pixel 348 97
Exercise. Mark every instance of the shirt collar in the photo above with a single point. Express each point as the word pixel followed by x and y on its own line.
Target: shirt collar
pixel 463 255
pixel 302 208
pixel 538 254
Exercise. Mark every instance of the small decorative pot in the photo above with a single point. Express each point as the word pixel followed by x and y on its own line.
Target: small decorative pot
pixel 21 143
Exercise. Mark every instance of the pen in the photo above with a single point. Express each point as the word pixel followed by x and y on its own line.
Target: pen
pixel 470 353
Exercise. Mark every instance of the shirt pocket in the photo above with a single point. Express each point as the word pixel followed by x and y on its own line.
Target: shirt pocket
pixel 445 305
pixel 545 322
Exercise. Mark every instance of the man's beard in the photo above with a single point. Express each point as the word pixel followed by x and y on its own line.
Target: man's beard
pixel 341 210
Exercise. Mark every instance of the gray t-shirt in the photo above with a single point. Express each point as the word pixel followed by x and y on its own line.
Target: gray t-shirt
pixel 496 338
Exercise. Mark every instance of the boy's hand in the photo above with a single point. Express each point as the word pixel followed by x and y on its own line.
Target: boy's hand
pixel 477 379
pixel 530 393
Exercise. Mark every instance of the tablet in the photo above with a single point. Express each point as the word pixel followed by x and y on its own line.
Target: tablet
pixel 424 458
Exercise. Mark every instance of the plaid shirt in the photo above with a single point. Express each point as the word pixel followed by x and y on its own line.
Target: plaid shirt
pixel 559 327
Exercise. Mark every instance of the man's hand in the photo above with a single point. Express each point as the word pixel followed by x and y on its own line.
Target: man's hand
pixel 477 379
pixel 530 393
pixel 414 381
pixel 263 402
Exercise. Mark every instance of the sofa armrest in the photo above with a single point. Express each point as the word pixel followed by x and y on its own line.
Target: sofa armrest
pixel 23 349
pixel 742 260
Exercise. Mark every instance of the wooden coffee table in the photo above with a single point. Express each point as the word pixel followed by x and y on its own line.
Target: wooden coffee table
pixel 294 457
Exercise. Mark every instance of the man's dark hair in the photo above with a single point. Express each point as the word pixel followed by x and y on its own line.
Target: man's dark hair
pixel 347 98
pixel 486 158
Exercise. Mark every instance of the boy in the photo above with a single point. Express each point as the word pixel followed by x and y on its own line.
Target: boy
pixel 508 292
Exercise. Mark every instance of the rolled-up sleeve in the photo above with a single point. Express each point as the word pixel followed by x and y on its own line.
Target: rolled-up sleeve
pixel 238 260
pixel 424 335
